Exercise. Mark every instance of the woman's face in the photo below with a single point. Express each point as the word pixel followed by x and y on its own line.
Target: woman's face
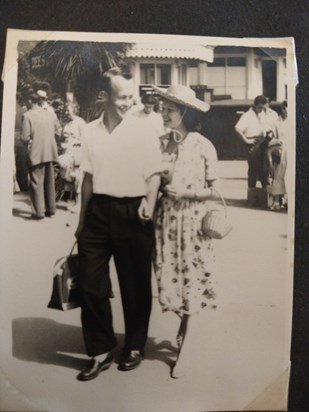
pixel 171 114
pixel 69 111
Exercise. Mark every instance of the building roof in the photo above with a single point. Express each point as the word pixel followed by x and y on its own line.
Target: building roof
pixel 238 103
pixel 259 51
pixel 152 50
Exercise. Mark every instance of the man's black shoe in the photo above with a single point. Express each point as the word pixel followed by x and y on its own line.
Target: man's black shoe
pixel 131 360
pixel 94 368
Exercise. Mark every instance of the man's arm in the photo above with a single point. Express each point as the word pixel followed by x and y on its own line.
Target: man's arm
pixel 26 129
pixel 242 136
pixel 147 206
pixel 86 194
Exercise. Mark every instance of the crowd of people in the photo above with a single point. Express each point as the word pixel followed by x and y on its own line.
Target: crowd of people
pixel 145 178
pixel 264 132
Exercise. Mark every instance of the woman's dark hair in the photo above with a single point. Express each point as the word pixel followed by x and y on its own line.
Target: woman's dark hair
pixel 191 118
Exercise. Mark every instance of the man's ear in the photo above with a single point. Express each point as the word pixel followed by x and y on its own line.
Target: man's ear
pixel 104 96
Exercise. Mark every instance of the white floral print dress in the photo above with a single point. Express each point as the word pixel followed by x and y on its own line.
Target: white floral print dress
pixel 184 258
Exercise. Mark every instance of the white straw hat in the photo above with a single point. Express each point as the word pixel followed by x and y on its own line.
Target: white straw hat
pixel 42 94
pixel 182 95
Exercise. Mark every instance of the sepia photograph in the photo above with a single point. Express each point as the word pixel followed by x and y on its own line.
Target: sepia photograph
pixel 147 206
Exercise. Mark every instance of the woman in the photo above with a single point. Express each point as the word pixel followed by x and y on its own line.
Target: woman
pixel 277 161
pixel 70 158
pixel 184 258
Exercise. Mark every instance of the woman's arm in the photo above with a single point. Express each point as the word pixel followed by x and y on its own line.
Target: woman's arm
pixel 207 193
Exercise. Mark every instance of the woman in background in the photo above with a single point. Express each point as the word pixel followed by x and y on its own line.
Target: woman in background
pixel 70 159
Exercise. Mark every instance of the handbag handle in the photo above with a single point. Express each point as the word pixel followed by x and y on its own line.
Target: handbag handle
pixel 222 199
pixel 73 247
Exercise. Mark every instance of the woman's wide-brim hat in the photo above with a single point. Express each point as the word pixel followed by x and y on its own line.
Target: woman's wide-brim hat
pixel 182 95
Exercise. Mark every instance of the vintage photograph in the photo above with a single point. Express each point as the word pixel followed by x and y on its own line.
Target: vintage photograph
pixel 147 207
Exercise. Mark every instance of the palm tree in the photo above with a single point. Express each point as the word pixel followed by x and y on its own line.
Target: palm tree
pixel 79 65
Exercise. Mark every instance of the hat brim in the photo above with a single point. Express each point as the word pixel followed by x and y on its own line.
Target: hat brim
pixel 195 103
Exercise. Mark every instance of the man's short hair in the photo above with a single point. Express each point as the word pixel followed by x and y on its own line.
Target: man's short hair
pixel 149 99
pixel 107 76
pixel 260 100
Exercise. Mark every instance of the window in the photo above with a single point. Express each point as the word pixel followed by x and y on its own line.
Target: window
pixel 182 74
pixel 193 63
pixel 147 73
pixel 218 62
pixel 236 61
pixel 159 74
pixel 227 76
pixel 228 61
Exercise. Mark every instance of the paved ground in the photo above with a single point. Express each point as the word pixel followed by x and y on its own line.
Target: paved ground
pixel 242 348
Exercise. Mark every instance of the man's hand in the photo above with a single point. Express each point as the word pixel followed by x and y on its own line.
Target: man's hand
pixel 143 211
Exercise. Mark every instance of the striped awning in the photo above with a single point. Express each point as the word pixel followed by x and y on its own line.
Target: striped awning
pixel 191 52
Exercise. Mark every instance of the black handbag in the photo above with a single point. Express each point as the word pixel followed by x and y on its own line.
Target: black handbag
pixel 65 293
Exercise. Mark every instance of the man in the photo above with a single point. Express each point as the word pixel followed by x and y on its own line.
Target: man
pixel 21 155
pixel 252 128
pixel 38 132
pixel 119 190
pixel 148 115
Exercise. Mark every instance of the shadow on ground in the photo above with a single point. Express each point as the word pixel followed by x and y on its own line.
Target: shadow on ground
pixel 46 341
pixel 21 213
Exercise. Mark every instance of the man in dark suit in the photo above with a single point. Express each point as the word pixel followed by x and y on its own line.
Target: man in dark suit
pixel 39 128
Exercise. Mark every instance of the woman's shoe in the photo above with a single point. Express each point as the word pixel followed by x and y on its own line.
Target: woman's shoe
pixel 179 339
pixel 178 371
pixel 275 207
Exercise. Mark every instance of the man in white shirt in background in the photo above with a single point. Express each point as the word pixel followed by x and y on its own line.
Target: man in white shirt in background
pixel 148 115
pixel 122 174
pixel 252 128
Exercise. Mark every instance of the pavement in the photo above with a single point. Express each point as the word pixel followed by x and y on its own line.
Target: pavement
pixel 241 356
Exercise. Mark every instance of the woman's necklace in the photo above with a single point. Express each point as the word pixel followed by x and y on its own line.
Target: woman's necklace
pixel 178 136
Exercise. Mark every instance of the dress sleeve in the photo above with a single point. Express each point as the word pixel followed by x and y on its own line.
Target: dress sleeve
pixel 211 162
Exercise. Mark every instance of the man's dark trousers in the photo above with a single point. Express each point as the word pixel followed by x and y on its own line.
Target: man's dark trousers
pixel 257 170
pixel 112 228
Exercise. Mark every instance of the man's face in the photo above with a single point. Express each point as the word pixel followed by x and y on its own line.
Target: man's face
pixel 148 108
pixel 120 99
pixel 259 108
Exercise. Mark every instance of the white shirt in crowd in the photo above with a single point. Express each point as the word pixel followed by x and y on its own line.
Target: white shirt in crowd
pixel 256 125
pixel 154 119
pixel 121 162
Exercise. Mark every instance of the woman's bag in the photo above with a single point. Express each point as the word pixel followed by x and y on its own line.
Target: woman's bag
pixel 65 293
pixel 215 223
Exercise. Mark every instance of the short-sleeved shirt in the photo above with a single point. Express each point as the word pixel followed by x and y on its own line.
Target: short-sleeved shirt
pixel 120 162
pixel 153 119
pixel 252 125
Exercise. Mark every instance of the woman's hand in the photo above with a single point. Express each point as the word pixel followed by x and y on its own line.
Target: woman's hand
pixel 177 193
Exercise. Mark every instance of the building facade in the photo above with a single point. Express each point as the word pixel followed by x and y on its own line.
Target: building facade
pixel 215 73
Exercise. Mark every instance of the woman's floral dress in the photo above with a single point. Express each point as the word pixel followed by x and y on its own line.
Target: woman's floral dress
pixel 184 258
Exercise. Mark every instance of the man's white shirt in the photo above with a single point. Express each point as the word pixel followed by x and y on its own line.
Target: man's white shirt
pixel 121 161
